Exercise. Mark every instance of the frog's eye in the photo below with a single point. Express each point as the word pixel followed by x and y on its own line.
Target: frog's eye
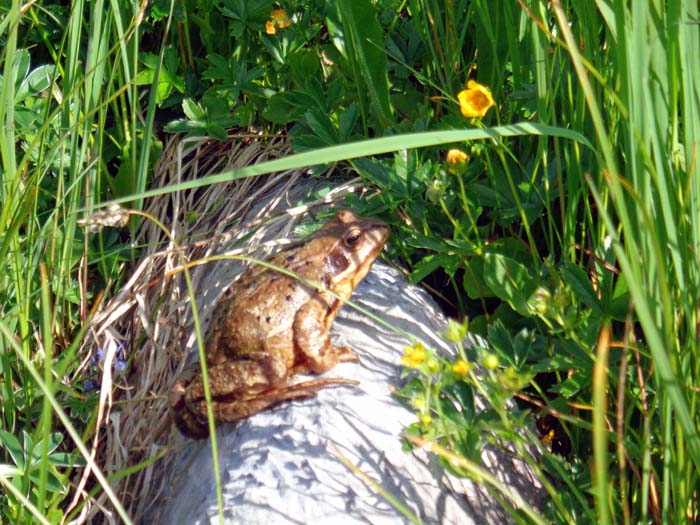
pixel 353 238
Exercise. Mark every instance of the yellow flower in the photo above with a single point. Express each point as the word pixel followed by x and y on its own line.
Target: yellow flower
pixel 414 355
pixel 279 19
pixel 475 101
pixel 461 368
pixel 456 161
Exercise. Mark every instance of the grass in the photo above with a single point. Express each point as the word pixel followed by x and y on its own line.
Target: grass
pixel 570 237
pixel 55 132
pixel 654 239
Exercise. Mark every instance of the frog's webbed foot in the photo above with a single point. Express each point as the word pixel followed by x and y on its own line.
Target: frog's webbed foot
pixel 185 420
pixel 235 410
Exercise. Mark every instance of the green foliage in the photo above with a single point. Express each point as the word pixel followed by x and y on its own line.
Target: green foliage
pixel 69 140
pixel 579 260
pixel 361 44
pixel 331 85
pixel 581 275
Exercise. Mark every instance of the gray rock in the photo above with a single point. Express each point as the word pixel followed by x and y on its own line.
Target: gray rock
pixel 282 466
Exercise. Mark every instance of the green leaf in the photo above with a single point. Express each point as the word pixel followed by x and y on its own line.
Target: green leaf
pixel 21 64
pixel 560 361
pixel 577 279
pixel 430 263
pixel 54 438
pixel 53 483
pixel 10 442
pixel 168 79
pixel 457 403
pixel 35 82
pixel 473 280
pixel 514 349
pixel 619 307
pixel 510 281
pixel 453 248
pixel 287 106
pixel 348 122
pixel 211 118
pixel 573 384
pixel 192 110
pixel 377 172
pixel 247 12
pixel 64 459
pixel 364 43
pixel 412 388
pixel 322 126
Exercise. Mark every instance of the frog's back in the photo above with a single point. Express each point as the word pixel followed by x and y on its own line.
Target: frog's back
pixel 261 305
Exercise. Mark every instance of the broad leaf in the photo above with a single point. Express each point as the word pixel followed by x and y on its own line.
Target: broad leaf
pixel 510 281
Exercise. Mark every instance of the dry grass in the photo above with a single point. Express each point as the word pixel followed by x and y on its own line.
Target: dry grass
pixel 151 316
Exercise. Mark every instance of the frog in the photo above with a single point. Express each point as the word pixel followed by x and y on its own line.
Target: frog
pixel 273 324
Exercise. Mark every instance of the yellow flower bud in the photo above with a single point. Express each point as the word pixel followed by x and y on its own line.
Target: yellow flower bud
pixel 514 381
pixel 425 419
pixel 434 192
pixel 491 361
pixel 456 161
pixel 541 301
pixel 456 331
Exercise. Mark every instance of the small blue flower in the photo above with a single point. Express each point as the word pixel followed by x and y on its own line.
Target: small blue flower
pixel 97 357
pixel 119 364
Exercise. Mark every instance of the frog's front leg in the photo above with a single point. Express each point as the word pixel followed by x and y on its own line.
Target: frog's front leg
pixel 313 340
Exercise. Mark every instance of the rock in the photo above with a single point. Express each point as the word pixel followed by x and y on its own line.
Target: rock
pixel 283 466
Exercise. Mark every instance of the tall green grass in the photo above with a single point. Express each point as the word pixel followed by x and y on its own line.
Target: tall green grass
pixel 653 176
pixel 631 68
pixel 70 137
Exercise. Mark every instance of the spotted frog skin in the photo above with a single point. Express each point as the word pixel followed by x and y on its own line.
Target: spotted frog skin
pixel 268 326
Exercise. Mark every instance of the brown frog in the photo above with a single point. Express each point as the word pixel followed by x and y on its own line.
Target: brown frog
pixel 268 326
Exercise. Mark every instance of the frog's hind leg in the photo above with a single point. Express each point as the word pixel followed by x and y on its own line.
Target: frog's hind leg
pixel 236 410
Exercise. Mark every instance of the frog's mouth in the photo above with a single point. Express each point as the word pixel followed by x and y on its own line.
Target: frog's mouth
pixel 378 233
